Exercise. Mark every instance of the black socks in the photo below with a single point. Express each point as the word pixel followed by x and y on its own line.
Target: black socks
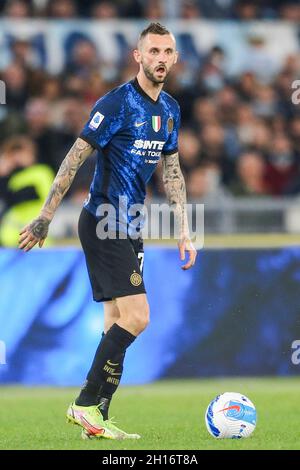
pixel 104 376
pixel 104 406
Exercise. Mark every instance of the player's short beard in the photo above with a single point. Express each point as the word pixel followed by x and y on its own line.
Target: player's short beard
pixel 151 76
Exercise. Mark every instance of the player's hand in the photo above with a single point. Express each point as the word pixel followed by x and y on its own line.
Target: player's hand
pixel 34 233
pixel 184 245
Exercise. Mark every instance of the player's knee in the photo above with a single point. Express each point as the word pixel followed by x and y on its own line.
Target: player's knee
pixel 141 318
pixel 144 320
pixel 134 313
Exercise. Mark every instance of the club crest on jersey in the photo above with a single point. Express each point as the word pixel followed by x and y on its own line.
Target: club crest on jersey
pixel 96 121
pixel 156 123
pixel 170 125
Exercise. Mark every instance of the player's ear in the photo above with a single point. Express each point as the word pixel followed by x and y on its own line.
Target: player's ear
pixel 137 56
pixel 176 57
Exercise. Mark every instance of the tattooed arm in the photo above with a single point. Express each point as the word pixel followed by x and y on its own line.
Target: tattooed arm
pixel 175 189
pixel 37 230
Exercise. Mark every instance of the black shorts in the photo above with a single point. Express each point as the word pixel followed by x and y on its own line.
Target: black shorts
pixel 114 265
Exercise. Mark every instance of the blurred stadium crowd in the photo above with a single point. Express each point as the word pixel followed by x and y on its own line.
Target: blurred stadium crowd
pixel 240 133
pixel 153 9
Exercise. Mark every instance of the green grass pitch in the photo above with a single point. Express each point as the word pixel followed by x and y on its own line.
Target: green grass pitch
pixel 168 414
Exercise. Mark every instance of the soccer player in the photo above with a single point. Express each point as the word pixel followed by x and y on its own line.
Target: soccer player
pixel 131 127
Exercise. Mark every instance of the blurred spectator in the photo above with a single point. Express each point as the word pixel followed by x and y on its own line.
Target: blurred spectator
pixel 214 152
pixel 190 150
pixel 75 85
pixel 198 184
pixel 262 137
pixel 190 10
pixel 212 138
pixel 246 86
pixel 62 9
pixel 24 185
pixel 104 10
pixel 216 8
pixel 278 124
pixel 265 103
pixel 227 103
pixel 245 125
pixel 95 87
pixel 250 179
pixel 51 89
pixel 212 73
pixel 205 181
pixel 23 52
pixel 74 116
pixel 290 11
pixel 84 59
pixel 50 142
pixel 281 165
pixel 16 9
pixel 128 71
pixel 17 91
pixel 205 112
pixel 292 64
pixel 131 8
pixel 247 10
pixel 153 10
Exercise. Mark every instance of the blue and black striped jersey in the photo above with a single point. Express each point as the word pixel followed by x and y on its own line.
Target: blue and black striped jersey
pixel 130 132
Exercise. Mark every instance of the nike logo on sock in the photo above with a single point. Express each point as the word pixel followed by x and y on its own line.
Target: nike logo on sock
pixel 112 363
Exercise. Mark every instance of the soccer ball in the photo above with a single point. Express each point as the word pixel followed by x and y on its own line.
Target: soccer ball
pixel 230 415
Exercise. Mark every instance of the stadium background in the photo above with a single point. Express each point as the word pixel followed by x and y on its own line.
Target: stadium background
pixel 237 312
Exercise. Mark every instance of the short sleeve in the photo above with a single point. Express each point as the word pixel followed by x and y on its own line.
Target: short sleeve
pixel 171 146
pixel 104 122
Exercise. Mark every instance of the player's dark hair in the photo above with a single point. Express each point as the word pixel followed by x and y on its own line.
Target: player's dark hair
pixel 154 28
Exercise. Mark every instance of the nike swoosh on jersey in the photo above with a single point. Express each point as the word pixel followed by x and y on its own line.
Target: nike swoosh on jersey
pixel 138 124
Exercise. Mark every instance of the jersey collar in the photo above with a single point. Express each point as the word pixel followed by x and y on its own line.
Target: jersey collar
pixel 140 90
